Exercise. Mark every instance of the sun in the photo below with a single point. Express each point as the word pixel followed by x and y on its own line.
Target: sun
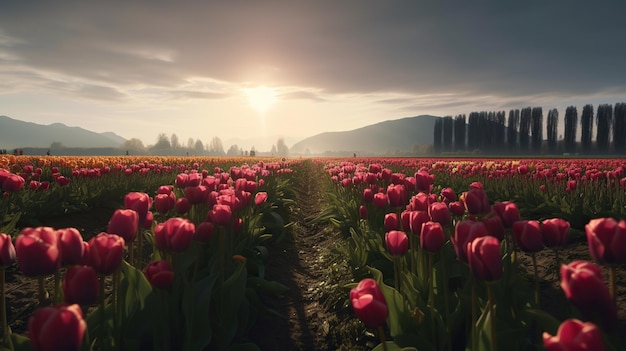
pixel 261 98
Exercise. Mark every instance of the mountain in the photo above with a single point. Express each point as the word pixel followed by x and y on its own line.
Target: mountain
pixel 19 134
pixel 375 139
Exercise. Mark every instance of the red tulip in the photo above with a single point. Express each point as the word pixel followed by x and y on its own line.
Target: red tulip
pixel 221 214
pixel 417 219
pixel 362 212
pixel 62 181
pixel 260 198
pixel 424 181
pixel 37 251
pixel 448 194
pixel 476 201
pixel 13 183
pixel 606 238
pixel 527 235
pixel 508 212
pixel 369 304
pixel 368 195
pixel 456 208
pixel 380 200
pixel 163 203
pixel 174 235
pixel 396 195
pixel 140 202
pixel 391 222
pixel 464 233
pixel 71 243
pixel 182 205
pixel 397 242
pixel 419 202
pixel 494 226
pixel 80 285
pixel 432 237
pixel 204 232
pixel 484 260
pixel 583 285
pixel 160 274
pixel 555 231
pixel 7 250
pixel 574 335
pixel 57 328
pixel 106 252
pixel 439 213
pixel 124 223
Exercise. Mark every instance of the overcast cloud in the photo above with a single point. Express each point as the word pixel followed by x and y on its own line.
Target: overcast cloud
pixel 405 57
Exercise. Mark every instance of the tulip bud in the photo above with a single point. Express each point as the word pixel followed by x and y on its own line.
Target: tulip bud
pixel 494 226
pixel 362 212
pixel 476 201
pixel 60 327
pixel 483 255
pixel 37 251
pixel 527 235
pixel 508 212
pixel 448 194
pixel 221 214
pixel 260 198
pixel 124 223
pixel 174 235
pixel 140 202
pixel 7 250
pixel 583 285
pixel 369 304
pixel 432 237
pixel 204 231
pixel 464 233
pixel 397 242
pixel 159 274
pixel 106 252
pixel 396 195
pixel 555 232
pixel 439 213
pixel 457 208
pixel 163 203
pixel 368 195
pixel 80 285
pixel 71 243
pixel 391 221
pixel 573 334
pixel 424 181
pixel 606 238
pixel 417 219
pixel 380 200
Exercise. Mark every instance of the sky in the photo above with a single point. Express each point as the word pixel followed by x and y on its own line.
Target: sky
pixel 242 69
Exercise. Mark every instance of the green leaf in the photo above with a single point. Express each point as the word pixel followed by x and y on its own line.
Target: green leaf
pixel 266 287
pixel 392 346
pixel 20 343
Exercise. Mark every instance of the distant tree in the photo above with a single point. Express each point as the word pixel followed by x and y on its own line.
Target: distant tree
pixel 162 146
pixel 511 131
pixel 174 142
pixel 198 147
pixel 571 124
pixel 307 152
pixel 438 135
pixel 552 126
pixel 459 133
pixel 604 121
pixel 273 151
pixel 499 131
pixel 56 145
pixel 281 148
pixel 473 132
pixel 586 121
pixel 233 150
pixel 524 129
pixel 447 133
pixel 619 128
pixel 537 129
pixel 190 143
pixel 134 146
pixel 215 147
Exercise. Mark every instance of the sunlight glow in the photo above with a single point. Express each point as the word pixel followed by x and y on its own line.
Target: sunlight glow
pixel 261 98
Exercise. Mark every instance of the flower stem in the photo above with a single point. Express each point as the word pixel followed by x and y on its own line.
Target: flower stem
pixel 612 287
pixel 396 270
pixel 42 291
pixel 492 310
pixel 381 335
pixel 3 308
pixel 474 337
pixel 536 271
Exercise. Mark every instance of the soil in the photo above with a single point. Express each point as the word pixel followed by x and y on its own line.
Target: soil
pixel 316 315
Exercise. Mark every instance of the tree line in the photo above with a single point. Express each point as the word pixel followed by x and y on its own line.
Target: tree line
pixel 522 132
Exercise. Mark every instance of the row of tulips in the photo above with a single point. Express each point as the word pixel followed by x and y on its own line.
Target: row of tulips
pixel 181 269
pixel 446 273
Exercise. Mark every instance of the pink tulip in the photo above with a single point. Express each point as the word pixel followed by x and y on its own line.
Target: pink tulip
pixel 527 235
pixel 464 233
pixel 369 304
pixel 424 181
pixel 362 212
pixel 508 212
pixel 380 200
pixel 204 231
pixel 106 252
pixel 448 194
pixel 182 205
pixel 396 195
pixel 37 251
pixel 574 335
pixel 368 195
pixel 391 222
pixel 583 285
pixel 124 223
pixel 396 242
pixel 417 219
pixel 484 259
pixel 71 243
pixel 606 238
pixel 7 250
pixel 57 328
pixel 80 285
pixel 13 183
pixel 221 214
pixel 174 235
pixel 494 226
pixel 260 198
pixel 439 213
pixel 476 201
pixel 140 202
pixel 432 237
pixel 555 232
pixel 456 208
pixel 163 203
pixel 159 274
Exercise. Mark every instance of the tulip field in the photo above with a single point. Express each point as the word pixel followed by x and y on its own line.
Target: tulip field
pixel 444 254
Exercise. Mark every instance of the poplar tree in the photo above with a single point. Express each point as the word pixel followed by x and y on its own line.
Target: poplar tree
pixel 511 130
pixel 586 125
pixel 552 126
pixel 571 124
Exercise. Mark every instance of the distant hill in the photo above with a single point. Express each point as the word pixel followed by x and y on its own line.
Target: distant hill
pixel 19 134
pixel 376 139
